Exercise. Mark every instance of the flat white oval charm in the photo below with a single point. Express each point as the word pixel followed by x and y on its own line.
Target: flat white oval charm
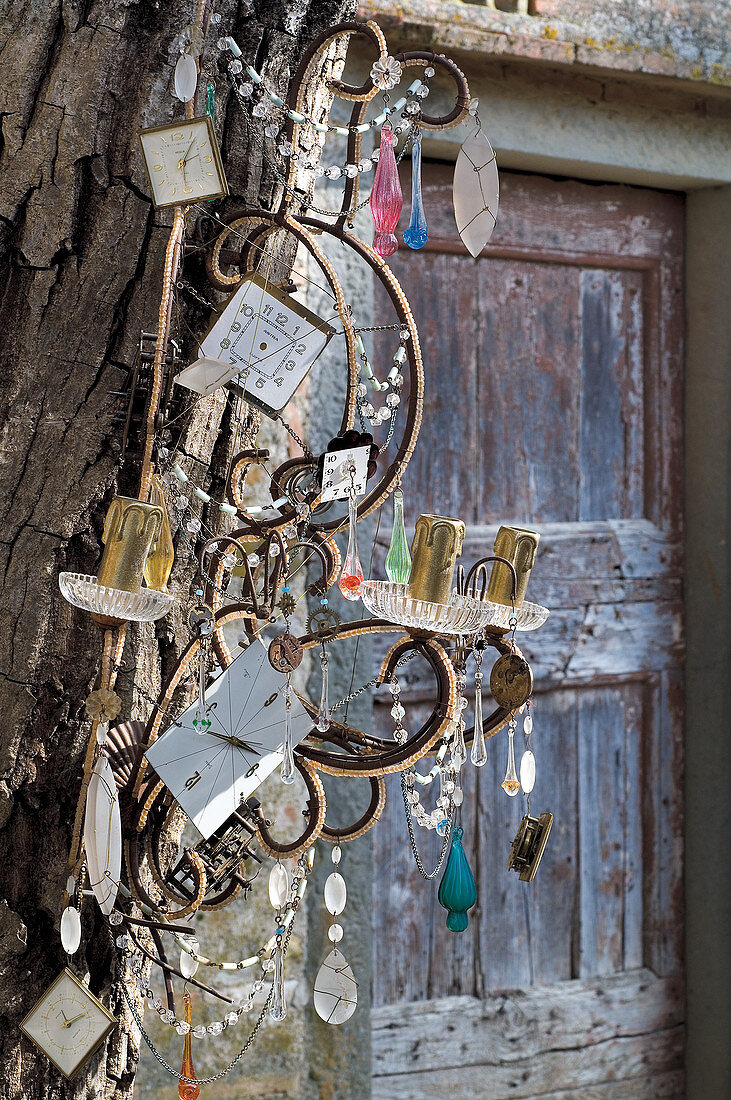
pixel 70 930
pixel 186 77
pixel 475 192
pixel 335 992
pixel 528 771
pixel 336 893
pixel 103 835
pixel 278 885
pixel 189 965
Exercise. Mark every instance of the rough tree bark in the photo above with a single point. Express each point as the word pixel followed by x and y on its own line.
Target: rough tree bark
pixel 81 267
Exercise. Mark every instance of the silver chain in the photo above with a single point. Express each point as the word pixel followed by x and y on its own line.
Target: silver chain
pixel 417 857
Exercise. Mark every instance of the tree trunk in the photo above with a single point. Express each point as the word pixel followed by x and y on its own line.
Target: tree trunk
pixel 82 256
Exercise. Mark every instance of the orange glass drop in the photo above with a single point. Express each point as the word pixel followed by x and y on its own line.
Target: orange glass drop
pixel 188 1090
pixel 351 576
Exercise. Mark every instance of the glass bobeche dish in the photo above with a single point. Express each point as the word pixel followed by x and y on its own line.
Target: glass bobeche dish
pixel 462 615
pixel 85 592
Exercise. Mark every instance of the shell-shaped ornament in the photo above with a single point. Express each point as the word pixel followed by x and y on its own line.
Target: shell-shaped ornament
pixel 475 192
pixel 123 748
pixel 335 992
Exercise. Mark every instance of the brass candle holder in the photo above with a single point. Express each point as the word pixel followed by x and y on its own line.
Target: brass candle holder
pixel 437 545
pixel 518 546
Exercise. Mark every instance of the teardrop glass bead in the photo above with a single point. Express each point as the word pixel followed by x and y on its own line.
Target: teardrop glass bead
pixel 188 1090
pixel 511 783
pixel 288 770
pixel 278 885
pixel 323 715
pixel 478 755
pixel 528 771
pixel 417 234
pixel 386 197
pixel 186 77
pixel 351 575
pixel 70 930
pixel 335 990
pixel 336 893
pixel 278 1007
pixel 457 890
pixel 398 559
pixel 189 965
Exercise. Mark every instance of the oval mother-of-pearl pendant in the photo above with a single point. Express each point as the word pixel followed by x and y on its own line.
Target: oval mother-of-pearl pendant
pixel 278 885
pixel 335 893
pixel 335 992
pixel 70 930
pixel 186 77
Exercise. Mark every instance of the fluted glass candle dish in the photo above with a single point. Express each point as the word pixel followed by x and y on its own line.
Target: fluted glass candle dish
pixel 462 615
pixel 83 591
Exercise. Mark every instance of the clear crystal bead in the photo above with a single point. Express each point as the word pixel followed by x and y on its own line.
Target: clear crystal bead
pixel 362 389
pixel 167 1016
pixel 230 1019
pixel 351 170
pixel 222 44
pixel 397 711
pixel 398 380
pixel 385 413
pixel 215 1028
pixel 272 129
pixel 199 1031
pixel 216 18
pixel 394 687
pixel 193 525
pixel 286 148
pixel 261 110
pixel 422 91
pixel 235 66
pixel 335 933
pixel 246 89
pixel 181 503
pixel 179 1027
pixel 429 72
pixel 115 917
pixel 333 172
pixel 365 165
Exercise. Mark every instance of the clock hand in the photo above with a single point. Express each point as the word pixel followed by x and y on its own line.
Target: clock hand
pixel 63 1013
pixel 183 159
pixel 235 741
pixel 69 1023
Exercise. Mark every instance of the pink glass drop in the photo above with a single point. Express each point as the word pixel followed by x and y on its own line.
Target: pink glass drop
pixel 386 197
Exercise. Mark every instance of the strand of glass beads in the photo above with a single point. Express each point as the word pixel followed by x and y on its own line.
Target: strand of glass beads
pixel 528 760
pixel 335 990
pixel 394 381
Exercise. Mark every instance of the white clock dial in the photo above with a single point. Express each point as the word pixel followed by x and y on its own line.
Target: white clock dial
pixel 271 338
pixel 183 162
pixel 212 772
pixel 68 1023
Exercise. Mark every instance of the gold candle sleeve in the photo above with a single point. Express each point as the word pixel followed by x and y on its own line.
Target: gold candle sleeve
pixel 437 545
pixel 518 546
pixel 161 557
pixel 130 529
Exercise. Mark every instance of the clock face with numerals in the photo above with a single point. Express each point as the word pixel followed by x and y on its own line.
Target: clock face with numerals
pixel 270 337
pixel 183 162
pixel 211 772
pixel 68 1023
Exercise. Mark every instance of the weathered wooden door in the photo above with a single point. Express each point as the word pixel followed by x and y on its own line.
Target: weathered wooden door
pixel 553 399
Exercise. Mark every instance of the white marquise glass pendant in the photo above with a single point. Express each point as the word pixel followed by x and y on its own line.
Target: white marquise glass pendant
pixel 70 930
pixel 189 965
pixel 475 192
pixel 186 77
pixel 335 992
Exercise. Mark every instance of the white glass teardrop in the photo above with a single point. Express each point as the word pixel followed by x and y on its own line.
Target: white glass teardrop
pixel 336 893
pixel 70 930
pixel 335 992
pixel 278 885
pixel 186 77
pixel 189 965
pixel 528 771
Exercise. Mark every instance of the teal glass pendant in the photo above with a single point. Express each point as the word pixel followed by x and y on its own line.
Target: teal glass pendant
pixel 416 235
pixel 398 559
pixel 210 98
pixel 457 890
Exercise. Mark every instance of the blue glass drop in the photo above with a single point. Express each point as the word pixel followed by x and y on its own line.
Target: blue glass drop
pixel 457 890
pixel 416 235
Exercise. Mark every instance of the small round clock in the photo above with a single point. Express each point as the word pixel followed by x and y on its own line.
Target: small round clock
pixel 68 1023
pixel 183 162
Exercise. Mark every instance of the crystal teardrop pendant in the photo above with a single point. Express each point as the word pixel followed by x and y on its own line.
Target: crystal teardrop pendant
pixel 188 1090
pixel 186 77
pixel 278 1007
pixel 288 771
pixel 511 783
pixel 323 715
pixel 457 890
pixel 478 755
pixel 528 771
pixel 398 559
pixel 335 991
pixel 351 575
pixel 417 234
pixel 278 885
pixel 386 197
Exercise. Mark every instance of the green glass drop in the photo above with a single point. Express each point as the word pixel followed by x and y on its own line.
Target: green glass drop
pixel 398 560
pixel 457 890
pixel 210 98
